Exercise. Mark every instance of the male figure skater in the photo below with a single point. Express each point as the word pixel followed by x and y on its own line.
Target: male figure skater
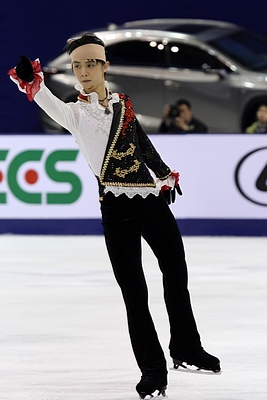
pixel 133 205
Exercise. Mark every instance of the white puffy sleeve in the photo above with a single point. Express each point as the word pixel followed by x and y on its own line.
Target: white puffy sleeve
pixel 65 114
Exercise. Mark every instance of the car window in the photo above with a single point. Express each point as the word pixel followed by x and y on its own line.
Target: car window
pixel 134 52
pixel 247 48
pixel 186 56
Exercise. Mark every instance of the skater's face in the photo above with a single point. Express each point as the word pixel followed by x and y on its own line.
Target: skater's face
pixel 89 71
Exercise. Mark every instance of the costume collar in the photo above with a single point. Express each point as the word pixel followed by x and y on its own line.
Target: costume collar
pixel 93 97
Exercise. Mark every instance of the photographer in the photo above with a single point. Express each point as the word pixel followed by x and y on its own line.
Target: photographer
pixel 179 118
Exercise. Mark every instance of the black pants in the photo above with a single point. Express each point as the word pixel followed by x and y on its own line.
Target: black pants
pixel 125 221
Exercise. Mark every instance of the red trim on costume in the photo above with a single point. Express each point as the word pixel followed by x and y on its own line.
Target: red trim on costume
pixel 31 88
pixel 129 113
pixel 82 97
pixel 176 175
pixel 165 187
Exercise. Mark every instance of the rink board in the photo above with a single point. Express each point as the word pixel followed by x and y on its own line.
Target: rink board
pixel 46 186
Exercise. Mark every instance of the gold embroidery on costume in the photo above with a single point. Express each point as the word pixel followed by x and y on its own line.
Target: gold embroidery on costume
pixel 123 172
pixel 120 155
pixel 105 165
pixel 109 155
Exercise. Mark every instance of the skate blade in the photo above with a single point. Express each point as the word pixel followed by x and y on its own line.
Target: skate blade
pixel 194 370
pixel 161 395
pixel 155 397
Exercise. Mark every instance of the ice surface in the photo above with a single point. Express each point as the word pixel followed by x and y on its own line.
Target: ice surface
pixel 63 331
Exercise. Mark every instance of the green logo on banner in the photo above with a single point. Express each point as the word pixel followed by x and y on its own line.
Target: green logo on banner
pixel 3 154
pixel 31 177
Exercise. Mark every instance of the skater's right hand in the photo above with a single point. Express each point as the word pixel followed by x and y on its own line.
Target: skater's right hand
pixel 28 76
pixel 24 69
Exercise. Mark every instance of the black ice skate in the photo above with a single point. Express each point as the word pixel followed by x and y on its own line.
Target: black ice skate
pixel 202 360
pixel 150 384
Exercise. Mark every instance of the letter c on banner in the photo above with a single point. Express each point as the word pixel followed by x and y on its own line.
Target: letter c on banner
pixel 12 176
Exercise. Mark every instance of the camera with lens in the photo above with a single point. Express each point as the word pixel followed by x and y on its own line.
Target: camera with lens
pixel 174 112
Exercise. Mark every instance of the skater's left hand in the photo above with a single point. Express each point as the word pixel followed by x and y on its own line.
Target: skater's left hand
pixel 170 187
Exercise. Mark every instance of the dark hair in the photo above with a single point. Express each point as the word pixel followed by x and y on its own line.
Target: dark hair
pixel 264 104
pixel 180 102
pixel 86 38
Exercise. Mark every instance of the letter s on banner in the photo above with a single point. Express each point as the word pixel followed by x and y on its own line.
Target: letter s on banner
pixel 63 176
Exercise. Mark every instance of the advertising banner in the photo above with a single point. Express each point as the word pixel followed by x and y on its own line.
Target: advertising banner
pixel 45 177
pixel 223 177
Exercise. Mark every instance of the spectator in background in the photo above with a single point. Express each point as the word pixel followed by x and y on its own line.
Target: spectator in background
pixel 260 125
pixel 179 118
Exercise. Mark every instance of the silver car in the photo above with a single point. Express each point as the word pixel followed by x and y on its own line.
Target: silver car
pixel 221 68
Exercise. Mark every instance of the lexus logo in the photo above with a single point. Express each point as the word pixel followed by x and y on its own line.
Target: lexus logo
pixel 251 176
